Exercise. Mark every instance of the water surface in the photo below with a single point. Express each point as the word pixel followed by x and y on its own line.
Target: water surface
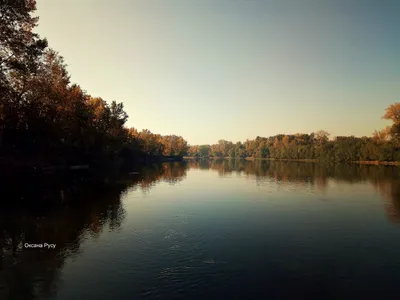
pixel 211 230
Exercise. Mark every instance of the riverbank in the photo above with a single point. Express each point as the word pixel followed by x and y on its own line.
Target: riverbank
pixel 364 162
pixel 248 158
pixel 386 163
pixel 15 166
pixel 281 159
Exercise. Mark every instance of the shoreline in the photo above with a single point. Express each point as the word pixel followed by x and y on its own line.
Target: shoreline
pixel 377 162
pixel 14 167
pixel 361 162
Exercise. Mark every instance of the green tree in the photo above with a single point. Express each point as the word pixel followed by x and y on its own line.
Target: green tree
pixel 204 150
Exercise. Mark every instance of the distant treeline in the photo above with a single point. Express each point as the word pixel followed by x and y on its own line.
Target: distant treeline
pixel 382 146
pixel 46 120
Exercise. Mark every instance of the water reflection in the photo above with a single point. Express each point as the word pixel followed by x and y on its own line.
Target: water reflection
pixel 385 179
pixel 81 209
pixel 390 192
pixel 172 173
pixel 65 213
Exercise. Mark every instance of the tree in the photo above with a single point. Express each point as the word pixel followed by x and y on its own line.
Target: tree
pixel 382 136
pixel 20 49
pixel 20 52
pixel 19 46
pixel 393 113
pixel 395 134
pixel 204 150
pixel 216 150
pixel 346 148
pixel 194 151
pixel 321 137
pixel 262 151
pixel 43 117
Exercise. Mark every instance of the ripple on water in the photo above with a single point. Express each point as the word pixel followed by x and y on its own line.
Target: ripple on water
pixel 184 280
pixel 175 234
pixel 174 247
pixel 211 261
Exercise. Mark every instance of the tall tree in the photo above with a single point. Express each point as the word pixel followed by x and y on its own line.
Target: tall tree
pixel 382 136
pixel 393 113
pixel 20 51
pixel 19 46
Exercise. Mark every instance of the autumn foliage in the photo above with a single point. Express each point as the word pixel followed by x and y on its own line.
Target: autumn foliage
pixel 382 146
pixel 45 118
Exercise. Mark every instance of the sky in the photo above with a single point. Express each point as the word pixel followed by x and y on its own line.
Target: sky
pixel 233 69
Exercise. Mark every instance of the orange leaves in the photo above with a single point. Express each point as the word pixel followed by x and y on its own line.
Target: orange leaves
pixel 393 113
pixel 382 135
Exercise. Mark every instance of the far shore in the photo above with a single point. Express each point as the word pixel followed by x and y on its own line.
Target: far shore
pixel 377 162
pixel 363 162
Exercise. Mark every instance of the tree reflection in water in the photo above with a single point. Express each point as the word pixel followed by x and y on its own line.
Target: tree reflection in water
pixel 390 191
pixel 386 179
pixel 65 213
pixel 62 213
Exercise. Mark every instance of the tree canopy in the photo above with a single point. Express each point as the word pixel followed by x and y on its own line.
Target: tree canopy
pixel 46 118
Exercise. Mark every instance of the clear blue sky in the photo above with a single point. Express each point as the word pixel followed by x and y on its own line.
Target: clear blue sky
pixel 234 69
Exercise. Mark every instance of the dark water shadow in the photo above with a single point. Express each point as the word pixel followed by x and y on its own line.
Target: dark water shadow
pixel 64 212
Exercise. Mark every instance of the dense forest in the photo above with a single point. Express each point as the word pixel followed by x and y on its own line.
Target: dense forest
pixel 44 119
pixel 382 146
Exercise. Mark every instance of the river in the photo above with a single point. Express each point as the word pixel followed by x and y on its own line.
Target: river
pixel 208 230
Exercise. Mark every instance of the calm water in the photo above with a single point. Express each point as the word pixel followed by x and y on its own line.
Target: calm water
pixel 209 230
